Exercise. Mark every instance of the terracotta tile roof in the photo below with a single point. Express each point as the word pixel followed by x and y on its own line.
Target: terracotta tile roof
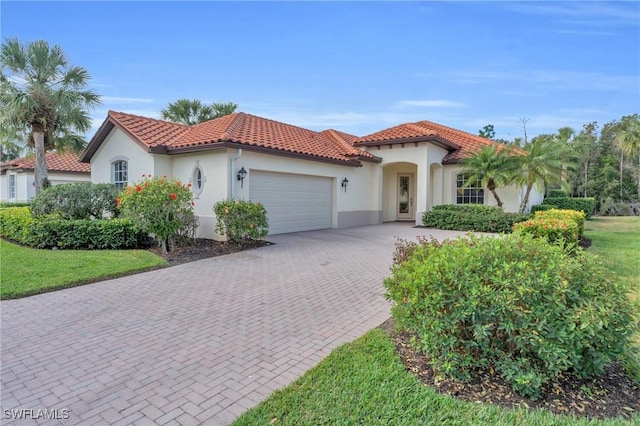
pixel 149 131
pixel 461 144
pixel 242 129
pixel 67 162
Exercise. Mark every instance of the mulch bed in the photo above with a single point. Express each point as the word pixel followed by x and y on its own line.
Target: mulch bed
pixel 612 394
pixel 202 248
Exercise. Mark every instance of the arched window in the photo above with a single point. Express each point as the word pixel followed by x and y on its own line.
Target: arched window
pixel 120 173
pixel 471 194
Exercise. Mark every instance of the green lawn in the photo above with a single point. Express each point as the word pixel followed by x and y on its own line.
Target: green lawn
pixel 25 271
pixel 617 241
pixel 364 382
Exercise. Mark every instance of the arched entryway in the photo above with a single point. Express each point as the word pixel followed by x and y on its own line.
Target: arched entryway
pixel 399 189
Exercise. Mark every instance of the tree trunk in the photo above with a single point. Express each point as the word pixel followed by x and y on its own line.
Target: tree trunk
pixel 40 169
pixel 523 206
pixel 495 195
pixel 586 177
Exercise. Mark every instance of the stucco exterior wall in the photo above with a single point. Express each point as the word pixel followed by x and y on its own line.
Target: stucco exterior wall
pixel 397 159
pixel 119 146
pixel 25 188
pixel 511 196
pixel 214 166
pixel 358 205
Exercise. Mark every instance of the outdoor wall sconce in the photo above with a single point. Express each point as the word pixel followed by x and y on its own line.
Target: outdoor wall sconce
pixel 242 173
pixel 345 182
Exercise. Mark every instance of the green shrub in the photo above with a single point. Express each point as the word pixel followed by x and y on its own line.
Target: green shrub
pixel 15 223
pixel 112 234
pixel 468 208
pixel 159 206
pixel 572 215
pixel 541 207
pixel 241 220
pixel 610 207
pixel 526 309
pixel 77 201
pixel 553 230
pixel 9 204
pixel 557 193
pixel 476 218
pixel 586 204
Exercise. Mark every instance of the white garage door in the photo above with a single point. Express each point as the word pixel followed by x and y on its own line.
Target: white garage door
pixel 293 202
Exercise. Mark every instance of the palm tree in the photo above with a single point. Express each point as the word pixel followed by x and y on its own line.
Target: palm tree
pixel 492 166
pixel 224 108
pixel 628 140
pixel 541 164
pixel 193 111
pixel 45 97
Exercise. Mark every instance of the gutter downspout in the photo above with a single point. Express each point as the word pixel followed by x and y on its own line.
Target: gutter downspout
pixel 233 173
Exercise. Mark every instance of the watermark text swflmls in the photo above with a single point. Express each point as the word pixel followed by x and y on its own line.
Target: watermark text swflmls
pixel 35 414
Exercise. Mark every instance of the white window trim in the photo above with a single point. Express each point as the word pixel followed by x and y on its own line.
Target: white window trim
pixel 456 190
pixel 197 191
pixel 112 164
pixel 12 176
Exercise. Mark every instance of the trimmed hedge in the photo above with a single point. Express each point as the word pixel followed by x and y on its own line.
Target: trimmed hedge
pixel 17 224
pixel 86 234
pixel 8 204
pixel 542 207
pixel 571 215
pixel 551 229
pixel 478 218
pixel 517 305
pixel 586 204
pixel 557 193
pixel 468 208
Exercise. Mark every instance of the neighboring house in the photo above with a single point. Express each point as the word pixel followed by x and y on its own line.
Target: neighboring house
pixel 305 179
pixel 17 179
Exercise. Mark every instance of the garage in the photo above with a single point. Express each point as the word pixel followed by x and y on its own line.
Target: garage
pixel 294 202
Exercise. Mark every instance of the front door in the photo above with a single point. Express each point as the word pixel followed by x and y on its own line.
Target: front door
pixel 404 207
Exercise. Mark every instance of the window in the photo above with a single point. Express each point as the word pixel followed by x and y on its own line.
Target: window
pixel 472 194
pixel 12 187
pixel 197 180
pixel 120 174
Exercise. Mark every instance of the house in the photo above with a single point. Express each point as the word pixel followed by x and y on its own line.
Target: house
pixel 17 178
pixel 305 179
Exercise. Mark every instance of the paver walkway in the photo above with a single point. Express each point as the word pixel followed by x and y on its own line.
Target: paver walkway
pixel 197 343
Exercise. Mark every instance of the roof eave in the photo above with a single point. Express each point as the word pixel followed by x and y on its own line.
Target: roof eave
pixel 102 133
pixel 449 146
pixel 97 139
pixel 265 150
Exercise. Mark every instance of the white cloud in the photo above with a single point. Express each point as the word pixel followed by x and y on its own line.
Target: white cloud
pixel 559 80
pixel 585 13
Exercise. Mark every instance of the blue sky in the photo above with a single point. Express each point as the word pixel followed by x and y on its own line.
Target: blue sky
pixel 358 67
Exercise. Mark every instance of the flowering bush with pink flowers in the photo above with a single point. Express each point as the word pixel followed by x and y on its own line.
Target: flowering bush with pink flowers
pixel 160 206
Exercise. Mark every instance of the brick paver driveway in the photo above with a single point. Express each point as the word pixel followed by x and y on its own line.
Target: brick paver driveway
pixel 197 343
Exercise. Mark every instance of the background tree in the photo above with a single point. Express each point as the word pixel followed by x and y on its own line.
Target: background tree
pixel 492 166
pixel 45 97
pixel 488 132
pixel 540 165
pixel 585 151
pixel 628 141
pixel 193 111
